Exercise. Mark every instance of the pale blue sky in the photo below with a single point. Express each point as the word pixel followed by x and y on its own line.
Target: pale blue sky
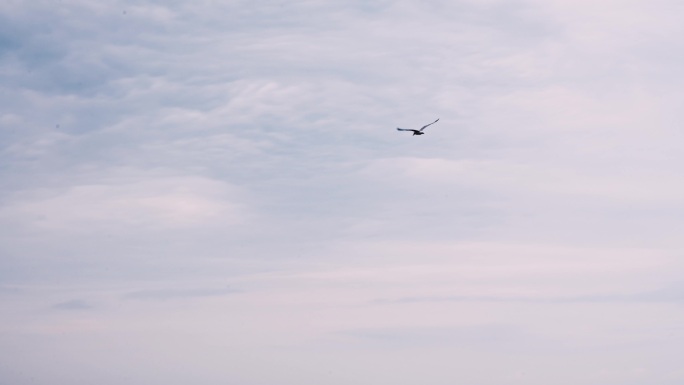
pixel 214 192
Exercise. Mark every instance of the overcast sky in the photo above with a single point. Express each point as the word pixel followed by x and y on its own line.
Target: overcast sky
pixel 214 192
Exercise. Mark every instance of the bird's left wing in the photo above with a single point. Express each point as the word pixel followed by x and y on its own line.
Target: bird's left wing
pixel 403 129
pixel 422 128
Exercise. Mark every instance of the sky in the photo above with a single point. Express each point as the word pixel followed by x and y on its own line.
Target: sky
pixel 214 192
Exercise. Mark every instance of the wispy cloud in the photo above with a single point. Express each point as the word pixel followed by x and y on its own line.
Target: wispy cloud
pixel 74 304
pixel 492 335
pixel 169 294
pixel 150 151
pixel 658 296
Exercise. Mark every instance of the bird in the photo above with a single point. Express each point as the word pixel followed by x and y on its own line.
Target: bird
pixel 417 132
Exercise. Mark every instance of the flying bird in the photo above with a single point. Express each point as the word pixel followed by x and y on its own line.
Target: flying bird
pixel 417 132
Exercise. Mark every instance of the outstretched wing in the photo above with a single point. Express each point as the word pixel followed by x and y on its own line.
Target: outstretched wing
pixel 422 128
pixel 403 129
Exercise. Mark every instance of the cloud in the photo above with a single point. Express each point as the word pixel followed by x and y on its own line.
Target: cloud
pixel 170 294
pixel 477 336
pixel 149 202
pixel 74 304
pixel 664 296
pixel 150 147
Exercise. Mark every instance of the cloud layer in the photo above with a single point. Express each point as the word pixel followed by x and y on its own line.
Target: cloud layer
pixel 217 190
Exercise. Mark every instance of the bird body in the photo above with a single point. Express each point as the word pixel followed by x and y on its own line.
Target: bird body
pixel 417 132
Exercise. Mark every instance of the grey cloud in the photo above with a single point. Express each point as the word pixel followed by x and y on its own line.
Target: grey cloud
pixel 74 304
pixel 502 336
pixel 169 294
pixel 9 289
pixel 668 294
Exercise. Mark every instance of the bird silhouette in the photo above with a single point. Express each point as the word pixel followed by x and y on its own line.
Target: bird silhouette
pixel 417 132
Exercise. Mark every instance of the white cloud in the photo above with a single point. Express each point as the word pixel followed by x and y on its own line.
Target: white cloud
pixel 148 202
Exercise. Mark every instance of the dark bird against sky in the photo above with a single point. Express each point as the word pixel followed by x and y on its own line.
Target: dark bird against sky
pixel 417 132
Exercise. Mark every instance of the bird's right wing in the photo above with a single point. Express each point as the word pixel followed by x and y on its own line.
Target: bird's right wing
pixel 422 128
pixel 403 129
